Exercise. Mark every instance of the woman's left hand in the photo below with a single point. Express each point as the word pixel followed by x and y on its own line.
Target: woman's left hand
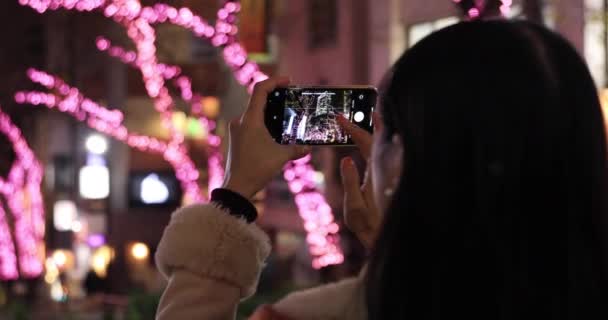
pixel 361 214
pixel 254 158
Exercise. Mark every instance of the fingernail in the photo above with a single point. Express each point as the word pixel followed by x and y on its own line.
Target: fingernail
pixel 348 161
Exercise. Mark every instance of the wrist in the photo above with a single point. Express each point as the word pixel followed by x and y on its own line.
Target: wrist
pixel 235 204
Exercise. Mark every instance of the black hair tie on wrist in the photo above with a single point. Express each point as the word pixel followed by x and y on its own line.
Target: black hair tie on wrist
pixel 235 204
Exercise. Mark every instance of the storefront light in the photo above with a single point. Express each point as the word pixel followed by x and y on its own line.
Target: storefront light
pixel 140 251
pixel 63 259
pixel 76 226
pixel 101 259
pixel 96 144
pixel 94 179
pixel 64 215
pixel 96 240
pixel 153 190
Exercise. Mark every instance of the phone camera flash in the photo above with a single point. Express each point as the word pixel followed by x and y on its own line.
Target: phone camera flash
pixel 359 116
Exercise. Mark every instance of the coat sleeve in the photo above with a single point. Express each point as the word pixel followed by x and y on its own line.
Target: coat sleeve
pixel 212 261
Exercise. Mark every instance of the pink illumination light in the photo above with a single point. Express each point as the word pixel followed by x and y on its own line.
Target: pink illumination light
pixel 138 21
pixel 479 6
pixel 505 7
pixel 323 238
pixel 473 13
pixel 22 191
pixel 214 161
pixel 110 122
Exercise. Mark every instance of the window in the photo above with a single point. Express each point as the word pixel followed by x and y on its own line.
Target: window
pixel 322 23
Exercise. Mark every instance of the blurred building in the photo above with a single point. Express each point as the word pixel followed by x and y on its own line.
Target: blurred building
pixel 313 41
pixel 339 41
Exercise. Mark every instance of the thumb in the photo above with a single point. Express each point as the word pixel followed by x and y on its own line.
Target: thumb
pixel 353 198
pixel 234 126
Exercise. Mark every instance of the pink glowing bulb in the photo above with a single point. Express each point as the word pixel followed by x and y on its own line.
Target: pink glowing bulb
pixel 186 15
pixel 20 97
pixel 289 175
pixel 231 7
pixel 24 181
pixel 505 8
pixel 473 13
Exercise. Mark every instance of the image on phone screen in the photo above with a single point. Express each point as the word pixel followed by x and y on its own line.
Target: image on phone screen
pixel 310 115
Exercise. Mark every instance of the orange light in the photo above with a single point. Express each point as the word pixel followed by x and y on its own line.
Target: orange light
pixel 604 98
pixel 140 251
pixel 63 259
pixel 211 107
pixel 101 259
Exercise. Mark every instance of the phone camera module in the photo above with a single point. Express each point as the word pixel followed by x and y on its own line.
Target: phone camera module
pixel 359 116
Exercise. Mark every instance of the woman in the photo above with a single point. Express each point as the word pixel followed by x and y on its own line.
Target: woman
pixel 489 164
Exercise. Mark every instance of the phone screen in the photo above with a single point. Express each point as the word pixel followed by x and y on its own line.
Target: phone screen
pixel 298 115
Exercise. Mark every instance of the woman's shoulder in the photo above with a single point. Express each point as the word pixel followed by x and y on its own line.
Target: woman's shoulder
pixel 340 300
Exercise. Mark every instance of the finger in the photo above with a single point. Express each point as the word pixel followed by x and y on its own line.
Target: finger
pixel 257 103
pixel 377 120
pixel 353 198
pixel 368 195
pixel 234 124
pixel 361 138
pixel 367 178
pixel 234 127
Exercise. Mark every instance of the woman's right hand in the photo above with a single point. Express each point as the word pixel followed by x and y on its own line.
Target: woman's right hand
pixel 254 158
pixel 361 214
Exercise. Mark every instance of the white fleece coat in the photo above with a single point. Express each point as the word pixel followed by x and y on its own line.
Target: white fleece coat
pixel 213 261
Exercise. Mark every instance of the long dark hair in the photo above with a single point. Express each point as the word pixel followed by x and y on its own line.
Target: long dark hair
pixel 501 209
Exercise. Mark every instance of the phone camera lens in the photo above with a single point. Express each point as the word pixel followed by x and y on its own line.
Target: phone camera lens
pixel 276 94
pixel 275 117
pixel 361 97
pixel 359 116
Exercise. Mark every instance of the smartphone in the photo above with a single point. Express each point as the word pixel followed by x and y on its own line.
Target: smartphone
pixel 308 115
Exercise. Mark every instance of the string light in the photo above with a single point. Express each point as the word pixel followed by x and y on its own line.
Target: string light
pixel 138 21
pixel 479 5
pixel 109 122
pixel 24 198
pixel 169 72
pixel 318 219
